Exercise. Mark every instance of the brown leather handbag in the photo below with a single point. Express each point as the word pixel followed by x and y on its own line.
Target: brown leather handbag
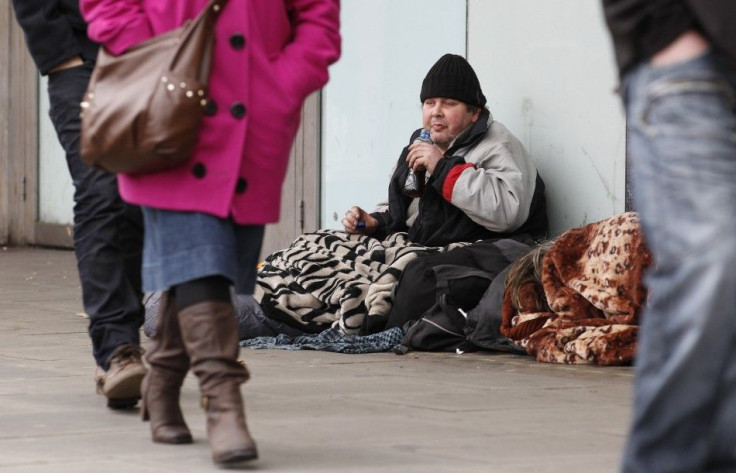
pixel 142 109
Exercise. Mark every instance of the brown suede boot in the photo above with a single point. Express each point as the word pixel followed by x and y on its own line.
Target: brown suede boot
pixel 211 336
pixel 162 385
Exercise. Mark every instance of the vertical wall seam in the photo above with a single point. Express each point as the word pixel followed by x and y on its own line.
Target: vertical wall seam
pixel 467 29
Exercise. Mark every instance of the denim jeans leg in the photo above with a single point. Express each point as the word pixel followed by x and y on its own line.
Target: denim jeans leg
pixel 683 151
pixel 108 233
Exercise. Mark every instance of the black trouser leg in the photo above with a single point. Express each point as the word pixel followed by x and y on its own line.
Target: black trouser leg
pixel 108 233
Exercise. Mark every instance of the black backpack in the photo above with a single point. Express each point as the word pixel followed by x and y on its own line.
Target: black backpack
pixel 442 326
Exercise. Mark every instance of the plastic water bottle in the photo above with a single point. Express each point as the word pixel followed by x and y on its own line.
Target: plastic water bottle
pixel 415 180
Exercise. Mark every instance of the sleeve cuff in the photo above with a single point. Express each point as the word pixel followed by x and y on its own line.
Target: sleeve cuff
pixel 449 185
pixel 130 36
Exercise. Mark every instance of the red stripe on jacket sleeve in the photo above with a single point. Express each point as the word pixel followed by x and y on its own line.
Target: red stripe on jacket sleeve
pixel 452 178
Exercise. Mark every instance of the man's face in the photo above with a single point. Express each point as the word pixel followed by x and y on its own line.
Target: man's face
pixel 446 119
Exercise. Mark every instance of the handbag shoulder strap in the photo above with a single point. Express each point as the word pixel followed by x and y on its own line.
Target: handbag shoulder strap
pixel 215 7
pixel 196 43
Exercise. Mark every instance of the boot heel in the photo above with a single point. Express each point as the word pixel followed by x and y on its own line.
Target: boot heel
pixel 145 417
pixel 163 411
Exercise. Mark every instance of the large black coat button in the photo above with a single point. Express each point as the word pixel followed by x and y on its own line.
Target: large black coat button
pixel 210 107
pixel 237 41
pixel 199 170
pixel 237 109
pixel 241 186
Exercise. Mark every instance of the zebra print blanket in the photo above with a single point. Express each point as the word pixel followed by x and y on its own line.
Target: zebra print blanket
pixel 331 278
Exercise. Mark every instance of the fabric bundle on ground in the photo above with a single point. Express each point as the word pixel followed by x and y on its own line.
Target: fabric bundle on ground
pixel 329 277
pixel 331 339
pixel 462 292
pixel 591 296
pixel 252 322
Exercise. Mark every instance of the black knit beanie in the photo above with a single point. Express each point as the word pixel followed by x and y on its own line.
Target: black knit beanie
pixel 452 77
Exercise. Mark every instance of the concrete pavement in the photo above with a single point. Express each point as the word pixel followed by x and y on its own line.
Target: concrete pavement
pixel 309 411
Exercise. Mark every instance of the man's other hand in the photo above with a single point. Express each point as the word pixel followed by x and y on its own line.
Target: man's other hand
pixel 359 221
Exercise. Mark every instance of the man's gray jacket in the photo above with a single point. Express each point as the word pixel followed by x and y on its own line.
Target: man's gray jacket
pixel 485 186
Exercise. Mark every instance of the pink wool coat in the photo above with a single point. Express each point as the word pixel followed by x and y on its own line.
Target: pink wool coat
pixel 269 55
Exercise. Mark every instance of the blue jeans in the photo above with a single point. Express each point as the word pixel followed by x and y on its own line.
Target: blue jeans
pixel 682 128
pixel 108 233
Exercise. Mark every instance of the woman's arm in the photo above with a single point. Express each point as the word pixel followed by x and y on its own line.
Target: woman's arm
pixel 315 44
pixel 116 24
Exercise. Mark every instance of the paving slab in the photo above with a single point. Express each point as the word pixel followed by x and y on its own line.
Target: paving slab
pixel 309 411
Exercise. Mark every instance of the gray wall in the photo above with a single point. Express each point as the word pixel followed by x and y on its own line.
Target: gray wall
pixel 548 71
pixel 371 104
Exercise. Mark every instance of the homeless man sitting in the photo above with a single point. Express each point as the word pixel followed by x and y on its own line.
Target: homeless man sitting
pixel 480 185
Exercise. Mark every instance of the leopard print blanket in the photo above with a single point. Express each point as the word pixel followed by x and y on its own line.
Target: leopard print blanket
pixel 330 278
pixel 591 279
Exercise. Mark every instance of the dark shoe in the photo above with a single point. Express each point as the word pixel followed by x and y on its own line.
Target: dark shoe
pixel 162 385
pixel 210 333
pixel 121 384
